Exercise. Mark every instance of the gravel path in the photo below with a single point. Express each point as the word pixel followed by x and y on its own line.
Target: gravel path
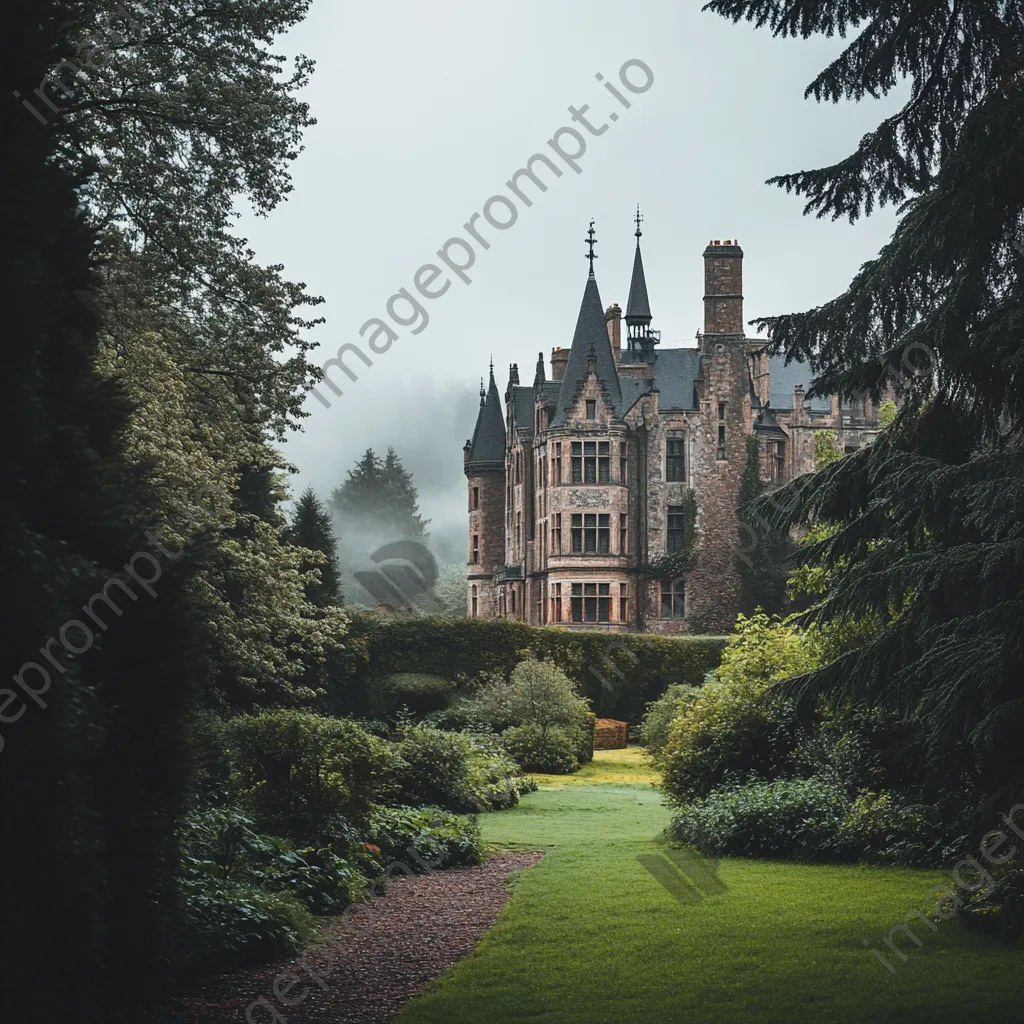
pixel 390 950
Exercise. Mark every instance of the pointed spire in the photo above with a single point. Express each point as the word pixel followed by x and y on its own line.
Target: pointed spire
pixel 590 341
pixel 538 377
pixel 591 241
pixel 487 448
pixel 638 308
pixel 482 392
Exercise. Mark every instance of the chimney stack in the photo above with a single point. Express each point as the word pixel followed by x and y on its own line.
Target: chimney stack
pixel 613 318
pixel 559 357
pixel 723 288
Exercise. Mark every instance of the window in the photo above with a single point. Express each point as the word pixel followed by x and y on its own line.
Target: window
pixel 721 440
pixel 558 462
pixel 623 465
pixel 519 529
pixel 623 603
pixel 591 462
pixel 473 600
pixel 591 409
pixel 577 534
pixel 476 548
pixel 556 603
pixel 556 534
pixel 673 600
pixel 513 600
pixel 623 533
pixel 675 460
pixel 604 534
pixel 676 536
pixel 591 602
pixel 476 497
pixel 721 410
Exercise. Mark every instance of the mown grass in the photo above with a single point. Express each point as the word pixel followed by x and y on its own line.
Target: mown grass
pixel 609 767
pixel 590 935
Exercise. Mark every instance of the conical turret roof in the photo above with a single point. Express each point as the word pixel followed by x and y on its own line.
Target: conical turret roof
pixel 487 449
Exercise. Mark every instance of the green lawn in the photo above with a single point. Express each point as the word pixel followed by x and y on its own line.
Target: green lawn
pixel 591 936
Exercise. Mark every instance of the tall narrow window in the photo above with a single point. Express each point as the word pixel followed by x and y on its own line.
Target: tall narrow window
pixel 623 533
pixel 623 603
pixel 623 464
pixel 675 460
pixel 577 602
pixel 513 600
pixel 676 537
pixel 577 462
pixel 519 529
pixel 603 462
pixel 556 534
pixel 721 410
pixel 558 462
pixel 577 534
pixel 721 430
pixel 591 409
pixel 604 534
pixel 473 600
pixel 476 497
pixel 673 604
pixel 604 602
pixel 589 462
pixel 590 534
pixel 557 610
pixel 476 548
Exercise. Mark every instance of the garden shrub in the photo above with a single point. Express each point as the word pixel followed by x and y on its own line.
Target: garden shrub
pixel 496 781
pixel 552 752
pixel 425 838
pixel 435 770
pixel 792 818
pixel 729 733
pixel 661 713
pixel 994 902
pixel 309 778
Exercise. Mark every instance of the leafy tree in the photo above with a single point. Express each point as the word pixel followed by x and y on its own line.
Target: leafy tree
pixel 826 449
pixel 536 694
pixel 311 529
pixel 380 494
pixel 886 413
pixel 450 591
pixel 932 513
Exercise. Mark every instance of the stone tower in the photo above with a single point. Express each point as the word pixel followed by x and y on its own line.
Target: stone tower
pixel 484 466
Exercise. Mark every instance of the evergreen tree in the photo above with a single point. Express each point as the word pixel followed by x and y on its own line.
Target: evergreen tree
pixel 932 514
pixel 312 530
pixel 379 494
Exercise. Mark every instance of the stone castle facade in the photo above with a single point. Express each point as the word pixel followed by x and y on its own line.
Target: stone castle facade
pixel 583 487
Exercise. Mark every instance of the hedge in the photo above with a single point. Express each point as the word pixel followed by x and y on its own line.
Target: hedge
pixel 619 672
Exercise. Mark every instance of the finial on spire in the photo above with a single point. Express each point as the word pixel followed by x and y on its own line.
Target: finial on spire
pixel 591 241
pixel 637 219
pixel 483 394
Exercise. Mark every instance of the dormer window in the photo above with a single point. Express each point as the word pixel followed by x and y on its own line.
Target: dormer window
pixel 591 409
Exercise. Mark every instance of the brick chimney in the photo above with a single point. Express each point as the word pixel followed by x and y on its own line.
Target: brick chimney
pixel 559 357
pixel 723 288
pixel 613 318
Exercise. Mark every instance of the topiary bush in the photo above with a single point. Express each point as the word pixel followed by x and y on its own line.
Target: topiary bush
pixel 792 818
pixel 309 778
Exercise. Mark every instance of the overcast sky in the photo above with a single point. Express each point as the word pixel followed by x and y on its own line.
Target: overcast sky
pixel 426 110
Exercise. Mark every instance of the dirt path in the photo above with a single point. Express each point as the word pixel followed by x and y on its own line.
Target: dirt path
pixel 389 950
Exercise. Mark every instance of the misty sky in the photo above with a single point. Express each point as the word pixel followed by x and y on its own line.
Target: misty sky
pixel 426 110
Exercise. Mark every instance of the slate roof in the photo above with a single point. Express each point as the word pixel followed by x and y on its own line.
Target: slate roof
pixel 675 373
pixel 591 334
pixel 784 378
pixel 487 449
pixel 522 404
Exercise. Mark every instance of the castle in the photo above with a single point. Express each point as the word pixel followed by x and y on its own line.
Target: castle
pixel 586 487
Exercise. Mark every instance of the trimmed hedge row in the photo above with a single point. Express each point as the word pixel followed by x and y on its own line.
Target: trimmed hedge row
pixel 619 672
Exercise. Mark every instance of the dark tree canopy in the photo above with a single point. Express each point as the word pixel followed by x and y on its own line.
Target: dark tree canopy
pixel 932 514
pixel 311 528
